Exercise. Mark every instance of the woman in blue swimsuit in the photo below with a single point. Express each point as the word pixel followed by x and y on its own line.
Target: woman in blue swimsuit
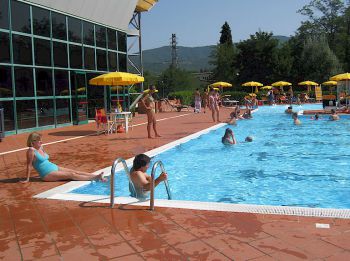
pixel 47 170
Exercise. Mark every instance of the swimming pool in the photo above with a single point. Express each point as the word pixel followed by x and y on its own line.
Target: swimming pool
pixel 285 165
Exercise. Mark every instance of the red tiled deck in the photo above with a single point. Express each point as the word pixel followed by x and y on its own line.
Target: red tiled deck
pixel 37 229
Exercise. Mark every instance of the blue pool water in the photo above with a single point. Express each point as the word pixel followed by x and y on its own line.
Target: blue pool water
pixel 285 165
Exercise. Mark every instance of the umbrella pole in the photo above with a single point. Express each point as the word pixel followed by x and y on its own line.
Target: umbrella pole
pixel 105 98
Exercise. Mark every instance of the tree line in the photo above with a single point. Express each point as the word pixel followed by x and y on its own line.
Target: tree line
pixel 319 49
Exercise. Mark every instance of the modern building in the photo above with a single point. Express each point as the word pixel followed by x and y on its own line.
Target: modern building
pixel 50 49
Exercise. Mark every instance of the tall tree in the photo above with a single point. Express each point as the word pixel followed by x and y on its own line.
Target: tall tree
pixel 318 60
pixel 223 56
pixel 257 58
pixel 226 36
pixel 323 18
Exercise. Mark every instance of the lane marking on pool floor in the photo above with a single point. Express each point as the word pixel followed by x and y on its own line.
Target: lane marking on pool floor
pixel 79 137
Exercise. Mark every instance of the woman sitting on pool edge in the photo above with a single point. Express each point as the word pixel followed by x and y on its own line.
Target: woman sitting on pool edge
pixel 228 138
pixel 140 179
pixel 48 171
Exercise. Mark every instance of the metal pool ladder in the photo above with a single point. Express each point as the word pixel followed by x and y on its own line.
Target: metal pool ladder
pixel 127 171
pixel 154 168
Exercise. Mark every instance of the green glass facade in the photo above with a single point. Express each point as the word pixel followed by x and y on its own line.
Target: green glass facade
pixel 46 61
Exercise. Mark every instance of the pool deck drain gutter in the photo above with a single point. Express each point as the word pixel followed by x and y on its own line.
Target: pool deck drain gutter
pixel 63 193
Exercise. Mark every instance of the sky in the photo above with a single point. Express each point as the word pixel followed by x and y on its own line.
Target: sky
pixel 198 22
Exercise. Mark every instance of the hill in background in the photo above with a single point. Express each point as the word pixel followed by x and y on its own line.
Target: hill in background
pixel 189 58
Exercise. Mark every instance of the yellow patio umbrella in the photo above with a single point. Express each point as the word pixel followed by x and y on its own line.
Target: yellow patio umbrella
pixel 266 88
pixel 341 77
pixel 252 84
pixel 5 90
pixel 308 84
pixel 221 84
pixel 281 84
pixel 116 79
pixel 82 89
pixel 147 91
pixel 330 83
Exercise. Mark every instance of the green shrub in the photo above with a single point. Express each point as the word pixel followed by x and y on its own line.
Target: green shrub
pixel 186 97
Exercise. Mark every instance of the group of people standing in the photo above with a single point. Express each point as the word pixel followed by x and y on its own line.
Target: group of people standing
pixel 209 99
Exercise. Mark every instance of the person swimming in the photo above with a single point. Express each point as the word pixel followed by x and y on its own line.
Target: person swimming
pixel 334 116
pixel 248 139
pixel 289 110
pixel 228 138
pixel 295 119
pixel 316 117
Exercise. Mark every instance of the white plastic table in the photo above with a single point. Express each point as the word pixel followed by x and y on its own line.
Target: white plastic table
pixel 126 114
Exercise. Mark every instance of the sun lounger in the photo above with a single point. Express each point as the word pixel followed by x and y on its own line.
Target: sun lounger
pixel 229 103
pixel 177 107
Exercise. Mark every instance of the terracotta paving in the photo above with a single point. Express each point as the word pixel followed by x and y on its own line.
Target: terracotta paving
pixel 38 229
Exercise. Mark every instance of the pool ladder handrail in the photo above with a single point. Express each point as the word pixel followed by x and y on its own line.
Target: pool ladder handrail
pixel 154 168
pixel 127 171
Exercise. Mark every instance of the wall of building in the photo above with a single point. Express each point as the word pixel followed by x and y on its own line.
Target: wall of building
pixel 46 61
pixel 115 13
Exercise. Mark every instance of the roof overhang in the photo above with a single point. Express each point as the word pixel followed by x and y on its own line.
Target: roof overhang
pixel 145 5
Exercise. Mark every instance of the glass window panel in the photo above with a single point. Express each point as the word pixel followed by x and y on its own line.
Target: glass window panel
pixel 122 62
pixel 89 37
pixel 63 114
pixel 5 82
pixel 113 61
pixel 74 30
pixel 101 60
pixel 22 49
pixel 75 56
pixel 20 16
pixel 24 82
pixel 4 17
pixel 59 28
pixel 112 39
pixel 100 36
pixel 60 54
pixel 45 112
pixel 44 82
pixel 121 42
pixel 4 48
pixel 89 58
pixel 42 52
pixel 41 21
pixel 61 83
pixel 9 119
pixel 26 115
